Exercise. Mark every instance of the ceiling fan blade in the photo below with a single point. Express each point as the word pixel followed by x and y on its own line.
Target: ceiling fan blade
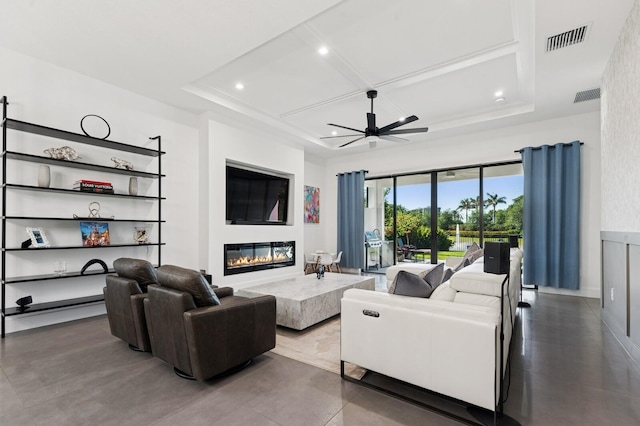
pixel 350 142
pixel 397 124
pixel 344 127
pixel 371 121
pixel 393 138
pixel 406 131
pixel 337 136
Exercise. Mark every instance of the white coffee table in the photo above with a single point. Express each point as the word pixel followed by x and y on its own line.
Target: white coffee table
pixel 305 300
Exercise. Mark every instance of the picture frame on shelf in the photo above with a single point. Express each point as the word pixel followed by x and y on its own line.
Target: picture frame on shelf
pixel 95 234
pixel 38 237
pixel 141 235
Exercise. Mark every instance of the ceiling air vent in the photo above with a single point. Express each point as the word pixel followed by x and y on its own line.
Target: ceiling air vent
pixel 587 95
pixel 567 38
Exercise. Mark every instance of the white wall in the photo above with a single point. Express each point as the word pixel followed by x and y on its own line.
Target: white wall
pixel 620 131
pixel 620 204
pixel 314 232
pixel 245 145
pixel 489 147
pixel 52 96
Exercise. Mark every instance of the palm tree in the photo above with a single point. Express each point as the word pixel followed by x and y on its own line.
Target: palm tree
pixel 493 200
pixel 465 205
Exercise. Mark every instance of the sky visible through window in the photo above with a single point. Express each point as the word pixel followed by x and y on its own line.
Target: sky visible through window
pixel 450 193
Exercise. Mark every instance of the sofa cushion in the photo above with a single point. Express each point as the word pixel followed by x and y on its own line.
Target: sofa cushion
pixel 188 281
pixel 444 292
pixel 473 279
pixel 477 299
pixel 408 284
pixel 138 270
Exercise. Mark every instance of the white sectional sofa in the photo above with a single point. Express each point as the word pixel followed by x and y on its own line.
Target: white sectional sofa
pixel 449 343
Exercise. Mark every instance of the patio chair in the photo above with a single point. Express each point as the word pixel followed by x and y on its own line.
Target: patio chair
pixel 404 249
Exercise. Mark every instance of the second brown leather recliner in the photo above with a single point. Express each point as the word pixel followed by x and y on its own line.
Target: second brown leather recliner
pixel 124 295
pixel 203 331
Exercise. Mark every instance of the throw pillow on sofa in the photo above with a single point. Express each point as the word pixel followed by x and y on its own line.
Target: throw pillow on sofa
pixel 468 255
pixel 447 275
pixel 422 285
pixel 476 255
pixel 434 276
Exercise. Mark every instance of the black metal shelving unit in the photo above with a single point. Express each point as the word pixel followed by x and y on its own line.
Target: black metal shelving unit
pixel 21 126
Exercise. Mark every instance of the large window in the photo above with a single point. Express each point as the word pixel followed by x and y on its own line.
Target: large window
pixel 463 205
pixel 458 210
pixel 503 201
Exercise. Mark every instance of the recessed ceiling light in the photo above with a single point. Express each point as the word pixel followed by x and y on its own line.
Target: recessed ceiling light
pixel 498 100
pixel 323 50
pixel 498 94
pixel 239 86
pixel 401 119
pixel 334 133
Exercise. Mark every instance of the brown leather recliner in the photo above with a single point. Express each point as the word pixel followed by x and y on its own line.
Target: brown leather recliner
pixel 201 331
pixel 123 297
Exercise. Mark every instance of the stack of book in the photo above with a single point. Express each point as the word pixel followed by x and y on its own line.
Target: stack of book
pixel 93 186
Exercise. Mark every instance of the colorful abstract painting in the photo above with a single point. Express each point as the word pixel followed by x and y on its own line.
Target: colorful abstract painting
pixel 311 204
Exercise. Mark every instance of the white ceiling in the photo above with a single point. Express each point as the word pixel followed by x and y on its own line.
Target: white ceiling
pixel 440 60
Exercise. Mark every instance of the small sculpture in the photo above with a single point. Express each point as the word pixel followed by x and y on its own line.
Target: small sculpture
pixel 62 153
pixel 121 164
pixel 94 212
pixel 320 272
pixel 94 209
pixel 24 301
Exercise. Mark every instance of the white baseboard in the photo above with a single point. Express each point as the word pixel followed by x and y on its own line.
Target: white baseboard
pixel 583 292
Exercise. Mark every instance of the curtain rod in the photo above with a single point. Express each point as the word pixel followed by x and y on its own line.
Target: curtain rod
pixel 539 147
pixel 355 171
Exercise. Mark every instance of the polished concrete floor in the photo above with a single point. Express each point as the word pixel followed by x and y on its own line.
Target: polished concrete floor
pixel 567 369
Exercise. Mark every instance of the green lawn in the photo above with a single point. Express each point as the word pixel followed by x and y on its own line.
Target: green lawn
pixel 445 254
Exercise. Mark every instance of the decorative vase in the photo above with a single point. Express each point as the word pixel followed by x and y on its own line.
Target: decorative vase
pixel 44 176
pixel 133 186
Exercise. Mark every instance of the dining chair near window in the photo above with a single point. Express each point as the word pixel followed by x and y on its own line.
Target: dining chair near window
pixel 326 260
pixel 336 261
pixel 310 262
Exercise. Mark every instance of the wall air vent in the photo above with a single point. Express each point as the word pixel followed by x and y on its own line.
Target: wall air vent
pixel 567 38
pixel 587 95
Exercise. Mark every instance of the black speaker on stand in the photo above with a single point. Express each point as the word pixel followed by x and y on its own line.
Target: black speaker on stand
pixel 496 257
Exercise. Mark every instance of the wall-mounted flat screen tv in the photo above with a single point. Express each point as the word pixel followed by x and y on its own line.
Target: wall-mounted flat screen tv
pixel 255 198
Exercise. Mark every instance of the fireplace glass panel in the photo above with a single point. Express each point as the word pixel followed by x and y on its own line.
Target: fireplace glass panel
pixel 249 257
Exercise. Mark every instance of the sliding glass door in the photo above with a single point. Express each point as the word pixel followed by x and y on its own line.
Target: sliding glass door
pixel 378 212
pixel 459 211
pixel 413 215
pixel 430 216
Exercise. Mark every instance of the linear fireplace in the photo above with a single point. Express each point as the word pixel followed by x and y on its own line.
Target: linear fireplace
pixel 249 257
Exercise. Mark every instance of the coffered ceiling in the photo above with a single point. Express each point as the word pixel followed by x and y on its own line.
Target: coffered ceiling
pixel 445 61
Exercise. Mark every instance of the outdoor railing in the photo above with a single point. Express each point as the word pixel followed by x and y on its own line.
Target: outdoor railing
pixel 461 243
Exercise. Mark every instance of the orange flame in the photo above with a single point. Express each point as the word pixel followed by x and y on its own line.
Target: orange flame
pixel 258 260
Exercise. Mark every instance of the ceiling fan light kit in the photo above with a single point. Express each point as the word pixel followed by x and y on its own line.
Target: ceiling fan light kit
pixel 372 134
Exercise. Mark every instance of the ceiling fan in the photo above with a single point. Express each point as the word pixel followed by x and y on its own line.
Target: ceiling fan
pixel 373 133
